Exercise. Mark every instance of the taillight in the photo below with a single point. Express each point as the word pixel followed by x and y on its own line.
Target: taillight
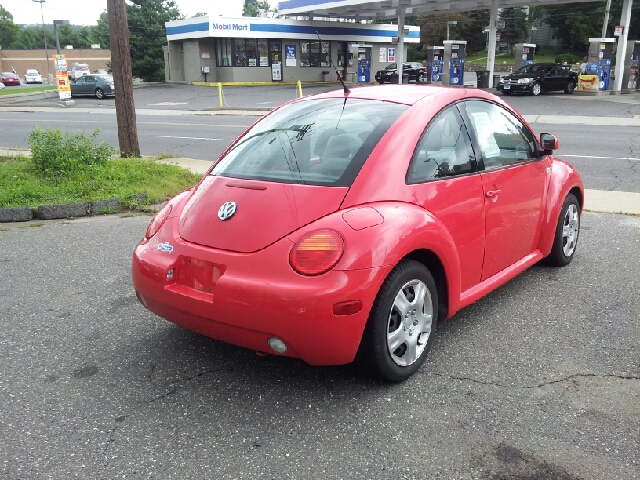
pixel 158 221
pixel 316 252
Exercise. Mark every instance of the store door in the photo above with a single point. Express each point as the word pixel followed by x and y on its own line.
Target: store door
pixel 275 60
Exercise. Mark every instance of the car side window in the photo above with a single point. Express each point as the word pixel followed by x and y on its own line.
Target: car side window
pixel 502 138
pixel 444 149
pixel 80 80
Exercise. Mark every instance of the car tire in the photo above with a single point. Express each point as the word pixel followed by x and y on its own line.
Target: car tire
pixel 536 89
pixel 565 241
pixel 401 325
pixel 99 93
pixel 571 86
pixel 420 78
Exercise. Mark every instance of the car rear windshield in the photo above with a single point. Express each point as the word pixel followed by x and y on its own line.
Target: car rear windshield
pixel 314 142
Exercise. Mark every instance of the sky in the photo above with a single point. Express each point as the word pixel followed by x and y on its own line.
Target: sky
pixel 86 12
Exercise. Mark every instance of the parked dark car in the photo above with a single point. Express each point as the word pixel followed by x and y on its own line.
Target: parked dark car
pixel 416 72
pixel 9 78
pixel 93 85
pixel 539 77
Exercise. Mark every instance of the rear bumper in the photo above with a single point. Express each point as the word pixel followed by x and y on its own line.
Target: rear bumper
pixel 257 296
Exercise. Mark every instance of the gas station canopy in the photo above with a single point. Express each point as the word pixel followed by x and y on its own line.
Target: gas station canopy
pixel 388 9
pixel 378 10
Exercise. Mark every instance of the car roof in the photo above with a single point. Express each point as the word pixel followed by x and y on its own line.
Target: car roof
pixel 405 94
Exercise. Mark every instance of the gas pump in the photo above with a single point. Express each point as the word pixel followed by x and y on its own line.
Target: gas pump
pixel 601 53
pixel 630 76
pixel 524 54
pixel 364 64
pixel 453 73
pixel 435 63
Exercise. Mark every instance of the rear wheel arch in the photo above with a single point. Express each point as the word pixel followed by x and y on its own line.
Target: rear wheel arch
pixel 432 262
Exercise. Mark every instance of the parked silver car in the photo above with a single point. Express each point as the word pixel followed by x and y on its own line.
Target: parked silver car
pixel 99 86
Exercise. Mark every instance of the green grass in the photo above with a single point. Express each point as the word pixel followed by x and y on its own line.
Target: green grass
pixel 12 91
pixel 546 55
pixel 21 184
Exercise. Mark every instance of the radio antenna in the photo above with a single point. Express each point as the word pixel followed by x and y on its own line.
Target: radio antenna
pixel 346 90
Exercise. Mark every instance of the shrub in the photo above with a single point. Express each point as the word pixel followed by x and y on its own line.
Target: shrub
pixel 567 58
pixel 55 154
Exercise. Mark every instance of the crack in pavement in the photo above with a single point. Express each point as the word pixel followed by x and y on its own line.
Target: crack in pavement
pixel 540 385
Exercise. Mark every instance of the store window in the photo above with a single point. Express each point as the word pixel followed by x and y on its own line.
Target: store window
pixel 315 54
pixel 242 52
pixel 263 52
pixel 223 52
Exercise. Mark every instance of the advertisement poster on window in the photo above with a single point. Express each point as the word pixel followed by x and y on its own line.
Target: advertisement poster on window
pixel 383 54
pixel 290 52
pixel 276 72
pixel 62 77
pixel 392 54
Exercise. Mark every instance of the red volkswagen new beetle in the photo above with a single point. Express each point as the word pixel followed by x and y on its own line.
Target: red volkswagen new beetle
pixel 345 226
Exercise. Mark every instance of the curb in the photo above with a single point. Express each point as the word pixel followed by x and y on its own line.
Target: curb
pixel 70 210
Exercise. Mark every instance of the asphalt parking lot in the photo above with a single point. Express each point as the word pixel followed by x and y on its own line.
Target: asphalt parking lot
pixel 538 380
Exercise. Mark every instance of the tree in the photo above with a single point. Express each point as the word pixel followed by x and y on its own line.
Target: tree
pixel 100 32
pixel 8 30
pixel 575 23
pixel 470 26
pixel 147 36
pixel 515 25
pixel 31 38
pixel 251 8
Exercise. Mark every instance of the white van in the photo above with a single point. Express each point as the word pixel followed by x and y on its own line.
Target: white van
pixel 79 70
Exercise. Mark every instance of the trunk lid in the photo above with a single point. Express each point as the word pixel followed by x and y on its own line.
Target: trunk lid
pixel 265 212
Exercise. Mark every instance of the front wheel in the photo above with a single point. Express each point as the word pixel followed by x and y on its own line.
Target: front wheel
pixel 402 323
pixel 571 86
pixel 420 78
pixel 536 89
pixel 99 93
pixel 567 231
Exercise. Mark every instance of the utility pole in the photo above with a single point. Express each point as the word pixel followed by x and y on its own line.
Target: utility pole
pixel 123 78
pixel 44 34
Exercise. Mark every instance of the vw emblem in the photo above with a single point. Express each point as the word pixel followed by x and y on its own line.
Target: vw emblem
pixel 227 210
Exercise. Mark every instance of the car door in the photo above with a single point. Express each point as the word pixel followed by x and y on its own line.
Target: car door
pixel 514 179
pixel 90 84
pixel 552 79
pixel 77 86
pixel 444 179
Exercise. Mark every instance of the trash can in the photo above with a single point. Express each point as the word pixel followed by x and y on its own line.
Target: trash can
pixel 496 80
pixel 405 78
pixel 325 76
pixel 482 77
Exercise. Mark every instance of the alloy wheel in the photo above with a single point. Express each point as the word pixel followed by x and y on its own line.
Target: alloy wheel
pixel 409 323
pixel 570 228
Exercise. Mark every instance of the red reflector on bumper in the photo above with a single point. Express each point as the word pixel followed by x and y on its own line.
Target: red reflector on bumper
pixel 349 307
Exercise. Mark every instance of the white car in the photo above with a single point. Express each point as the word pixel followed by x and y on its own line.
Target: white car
pixel 2 86
pixel 32 76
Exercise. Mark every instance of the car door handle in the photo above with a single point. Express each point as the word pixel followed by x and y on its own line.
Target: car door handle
pixel 492 194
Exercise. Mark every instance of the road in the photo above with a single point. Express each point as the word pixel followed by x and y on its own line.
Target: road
pixel 608 157
pixel 538 380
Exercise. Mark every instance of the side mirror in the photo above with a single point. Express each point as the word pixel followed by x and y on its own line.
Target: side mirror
pixel 549 142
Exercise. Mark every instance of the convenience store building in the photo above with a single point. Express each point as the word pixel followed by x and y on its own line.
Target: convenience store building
pixel 254 49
